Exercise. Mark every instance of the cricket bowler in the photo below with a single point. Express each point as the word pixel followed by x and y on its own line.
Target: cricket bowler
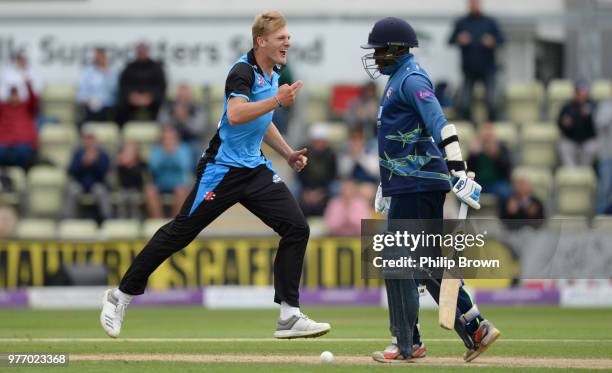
pixel 413 139
pixel 234 170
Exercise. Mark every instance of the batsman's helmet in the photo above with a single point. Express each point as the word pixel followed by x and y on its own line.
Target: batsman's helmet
pixel 391 38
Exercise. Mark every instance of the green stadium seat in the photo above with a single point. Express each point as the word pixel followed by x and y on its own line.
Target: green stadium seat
pixel 603 223
pixel 197 93
pixel 479 107
pixel 150 226
pixel 540 145
pixel 36 229
pixel 217 97
pixel 524 101
pixel 559 92
pixel 237 216
pixel 507 133
pixel 338 134
pixel 569 223
pixel 317 102
pixel 601 90
pixel 575 190
pixel 317 227
pixel 107 134
pixel 59 102
pixel 540 180
pixel 78 229
pixel 46 190
pixel 57 144
pixel 144 133
pixel 121 229
pixel 18 178
pixel 466 133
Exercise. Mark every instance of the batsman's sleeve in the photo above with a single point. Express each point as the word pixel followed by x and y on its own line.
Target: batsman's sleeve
pixel 419 92
pixel 239 81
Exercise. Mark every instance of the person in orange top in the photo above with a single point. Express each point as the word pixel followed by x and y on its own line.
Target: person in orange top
pixel 18 134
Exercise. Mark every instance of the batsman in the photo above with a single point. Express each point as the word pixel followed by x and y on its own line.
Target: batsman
pixel 420 161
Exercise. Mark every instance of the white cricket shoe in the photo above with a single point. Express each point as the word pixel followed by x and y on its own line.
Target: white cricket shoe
pixel 112 313
pixel 300 327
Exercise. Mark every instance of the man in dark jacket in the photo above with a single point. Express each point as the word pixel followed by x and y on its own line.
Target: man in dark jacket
pixel 477 35
pixel 142 87
pixel 578 144
pixel 88 169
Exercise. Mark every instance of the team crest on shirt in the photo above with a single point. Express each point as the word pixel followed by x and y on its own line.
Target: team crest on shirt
pixel 210 196
pixel 260 80
pixel 276 179
pixel 389 92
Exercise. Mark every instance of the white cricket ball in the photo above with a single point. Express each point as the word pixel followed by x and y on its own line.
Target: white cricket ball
pixel 327 357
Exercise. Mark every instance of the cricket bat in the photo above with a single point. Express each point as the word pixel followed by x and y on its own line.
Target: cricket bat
pixel 449 289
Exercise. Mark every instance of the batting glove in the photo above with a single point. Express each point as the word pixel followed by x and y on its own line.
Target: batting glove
pixel 467 190
pixel 381 204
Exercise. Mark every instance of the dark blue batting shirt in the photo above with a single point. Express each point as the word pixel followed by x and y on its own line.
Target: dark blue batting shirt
pixel 410 120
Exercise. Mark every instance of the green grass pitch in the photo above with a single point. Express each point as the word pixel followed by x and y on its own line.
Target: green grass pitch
pixel 540 334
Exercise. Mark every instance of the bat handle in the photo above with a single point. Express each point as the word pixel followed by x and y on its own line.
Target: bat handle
pixel 463 210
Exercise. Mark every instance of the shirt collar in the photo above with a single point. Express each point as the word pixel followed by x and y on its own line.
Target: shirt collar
pixel 253 62
pixel 405 59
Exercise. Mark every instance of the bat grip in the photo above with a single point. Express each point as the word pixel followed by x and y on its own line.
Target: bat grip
pixel 463 210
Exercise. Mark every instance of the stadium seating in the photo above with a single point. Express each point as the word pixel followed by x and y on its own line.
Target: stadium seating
pixel 35 229
pixel 237 216
pixel 107 134
pixel 559 91
pixel 77 229
pixel 540 180
pixel 18 178
pixel 479 107
pixel 46 190
pixel 507 133
pixel 150 226
pixel 603 223
pixel 466 133
pixel 569 223
pixel 144 133
pixel 57 143
pixel 575 190
pixel 601 90
pixel 197 93
pixel 540 145
pixel 524 101
pixel 317 105
pixel 215 106
pixel 59 102
pixel 121 229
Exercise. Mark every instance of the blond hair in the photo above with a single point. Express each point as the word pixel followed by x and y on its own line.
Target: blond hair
pixel 266 23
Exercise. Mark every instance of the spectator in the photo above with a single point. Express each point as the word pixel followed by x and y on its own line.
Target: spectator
pixel 170 164
pixel 17 75
pixel 88 169
pixel 490 160
pixel 97 90
pixel 142 87
pixel 316 181
pixel 185 116
pixel 363 110
pixel 360 164
pixel 344 213
pixel 18 135
pixel 282 115
pixel 578 145
pixel 522 205
pixel 131 171
pixel 603 123
pixel 477 35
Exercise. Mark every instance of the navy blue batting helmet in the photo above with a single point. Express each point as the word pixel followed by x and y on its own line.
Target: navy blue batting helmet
pixel 391 31
pixel 391 37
